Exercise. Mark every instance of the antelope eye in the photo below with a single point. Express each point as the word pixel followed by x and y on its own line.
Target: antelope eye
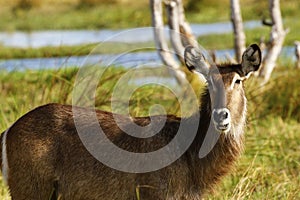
pixel 238 81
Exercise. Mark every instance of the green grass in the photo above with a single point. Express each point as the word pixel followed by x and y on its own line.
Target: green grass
pixel 270 166
pixel 61 16
pixel 206 11
pixel 77 50
pixel 68 14
pixel 43 86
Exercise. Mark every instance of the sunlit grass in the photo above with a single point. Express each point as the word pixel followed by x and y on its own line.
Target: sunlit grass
pixel 269 168
pixel 70 16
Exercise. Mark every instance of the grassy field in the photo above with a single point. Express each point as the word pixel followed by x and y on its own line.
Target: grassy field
pixel 66 51
pixel 270 166
pixel 72 14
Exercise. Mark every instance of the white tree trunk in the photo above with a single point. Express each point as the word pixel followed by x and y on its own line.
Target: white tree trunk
pixel 276 41
pixel 160 40
pixel 297 52
pixel 239 35
pixel 173 21
pixel 159 37
pixel 188 37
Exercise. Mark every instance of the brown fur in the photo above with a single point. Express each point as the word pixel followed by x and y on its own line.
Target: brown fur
pixel 46 156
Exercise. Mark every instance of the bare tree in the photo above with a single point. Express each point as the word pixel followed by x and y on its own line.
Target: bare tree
pixel 297 52
pixel 173 21
pixel 277 36
pixel 159 37
pixel 180 33
pixel 239 35
pixel 187 36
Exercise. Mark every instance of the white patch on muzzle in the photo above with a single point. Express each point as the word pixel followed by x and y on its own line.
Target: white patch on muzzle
pixel 223 125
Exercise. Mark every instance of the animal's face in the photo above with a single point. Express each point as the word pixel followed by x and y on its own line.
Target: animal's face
pixel 225 84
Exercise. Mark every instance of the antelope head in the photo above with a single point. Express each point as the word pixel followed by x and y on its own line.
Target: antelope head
pixel 225 85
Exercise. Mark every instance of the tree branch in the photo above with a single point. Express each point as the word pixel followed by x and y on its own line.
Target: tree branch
pixel 239 35
pixel 276 41
pixel 173 21
pixel 187 36
pixel 160 40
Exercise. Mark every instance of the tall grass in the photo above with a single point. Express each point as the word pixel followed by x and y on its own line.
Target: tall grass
pixel 269 168
pixel 280 97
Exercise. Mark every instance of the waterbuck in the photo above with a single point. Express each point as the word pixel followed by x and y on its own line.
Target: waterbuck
pixel 44 158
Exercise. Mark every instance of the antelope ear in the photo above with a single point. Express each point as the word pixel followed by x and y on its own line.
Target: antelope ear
pixel 251 59
pixel 195 61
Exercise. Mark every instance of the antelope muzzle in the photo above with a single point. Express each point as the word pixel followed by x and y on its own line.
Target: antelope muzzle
pixel 222 120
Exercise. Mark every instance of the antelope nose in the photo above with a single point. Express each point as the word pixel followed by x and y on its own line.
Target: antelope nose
pixel 221 116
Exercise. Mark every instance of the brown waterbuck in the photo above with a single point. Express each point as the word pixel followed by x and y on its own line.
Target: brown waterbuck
pixel 44 158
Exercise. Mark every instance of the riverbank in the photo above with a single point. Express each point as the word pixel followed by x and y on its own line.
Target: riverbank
pixel 67 16
pixel 214 40
pixel 49 43
pixel 130 57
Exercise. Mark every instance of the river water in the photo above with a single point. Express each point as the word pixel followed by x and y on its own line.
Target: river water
pixel 58 38
pixel 131 59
